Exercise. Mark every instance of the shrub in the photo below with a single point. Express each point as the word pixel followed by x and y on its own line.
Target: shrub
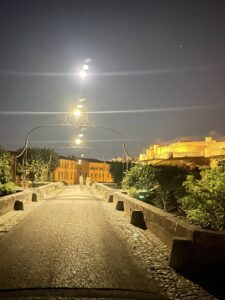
pixel 7 188
pixel 5 175
pixel 170 179
pixel 117 170
pixel 6 185
pixel 162 184
pixel 205 201
pixel 141 177
pixel 133 192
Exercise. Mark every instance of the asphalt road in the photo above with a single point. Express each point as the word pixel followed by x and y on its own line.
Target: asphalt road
pixel 69 242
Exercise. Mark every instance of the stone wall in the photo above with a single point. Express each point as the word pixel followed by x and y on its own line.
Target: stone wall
pixel 191 247
pixel 206 148
pixel 7 203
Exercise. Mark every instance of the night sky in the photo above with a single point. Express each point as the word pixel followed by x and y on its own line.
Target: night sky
pixel 165 57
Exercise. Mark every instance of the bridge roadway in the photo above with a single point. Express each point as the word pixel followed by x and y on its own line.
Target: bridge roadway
pixel 69 242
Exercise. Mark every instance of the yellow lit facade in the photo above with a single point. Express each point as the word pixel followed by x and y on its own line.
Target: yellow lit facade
pixel 207 148
pixel 69 171
pixel 99 172
pixel 66 172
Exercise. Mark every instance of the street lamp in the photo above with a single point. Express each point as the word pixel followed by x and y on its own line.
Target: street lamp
pixel 86 124
pixel 83 74
pixel 85 67
pixel 77 113
pixel 78 141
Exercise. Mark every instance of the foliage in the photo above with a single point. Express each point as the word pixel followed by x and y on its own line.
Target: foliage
pixel 133 192
pixel 48 156
pixel 205 200
pixel 5 175
pixel 7 188
pixel 6 185
pixel 39 164
pixel 141 178
pixel 163 184
pixel 117 170
pixel 37 171
pixel 170 180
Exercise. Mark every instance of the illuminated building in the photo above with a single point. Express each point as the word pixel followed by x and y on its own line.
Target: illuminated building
pixel 69 170
pixel 208 149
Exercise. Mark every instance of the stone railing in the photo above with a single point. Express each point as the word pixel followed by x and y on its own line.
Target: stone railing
pixel 18 200
pixel 191 247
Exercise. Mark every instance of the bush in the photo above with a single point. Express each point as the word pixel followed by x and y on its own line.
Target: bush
pixel 170 179
pixel 7 188
pixel 6 185
pixel 117 170
pixel 162 185
pixel 141 177
pixel 205 201
pixel 5 175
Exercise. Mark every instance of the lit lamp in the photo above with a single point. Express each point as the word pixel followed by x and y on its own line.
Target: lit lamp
pixel 78 141
pixel 85 67
pixel 77 113
pixel 82 74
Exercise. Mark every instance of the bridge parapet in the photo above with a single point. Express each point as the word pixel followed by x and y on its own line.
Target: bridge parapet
pixel 192 248
pixel 7 203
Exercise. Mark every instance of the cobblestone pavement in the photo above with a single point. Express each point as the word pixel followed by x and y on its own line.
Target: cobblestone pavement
pixel 154 256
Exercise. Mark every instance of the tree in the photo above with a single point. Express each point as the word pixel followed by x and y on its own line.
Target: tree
pixel 117 170
pixel 170 179
pixel 37 171
pixel 141 177
pixel 39 164
pixel 205 201
pixel 162 184
pixel 6 184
